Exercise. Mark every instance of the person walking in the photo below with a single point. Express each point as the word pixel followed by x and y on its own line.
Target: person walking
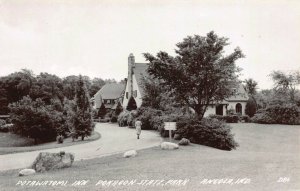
pixel 138 127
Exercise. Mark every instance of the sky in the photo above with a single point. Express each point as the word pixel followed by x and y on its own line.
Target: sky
pixel 95 37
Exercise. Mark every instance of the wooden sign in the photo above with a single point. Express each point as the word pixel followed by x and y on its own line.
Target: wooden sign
pixel 170 125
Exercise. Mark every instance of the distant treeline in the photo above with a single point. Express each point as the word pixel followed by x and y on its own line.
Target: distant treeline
pixel 45 86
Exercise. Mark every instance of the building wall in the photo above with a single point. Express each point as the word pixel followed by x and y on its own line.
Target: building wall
pixel 232 105
pixel 97 101
pixel 138 98
pixel 211 110
pixel 125 99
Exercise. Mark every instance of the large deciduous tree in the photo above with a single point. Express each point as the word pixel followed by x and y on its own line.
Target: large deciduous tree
pixel 285 84
pixel 83 124
pixel 250 86
pixel 200 73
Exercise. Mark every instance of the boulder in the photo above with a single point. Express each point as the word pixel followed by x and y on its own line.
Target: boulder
pixel 184 141
pixel 47 161
pixel 26 172
pixel 177 136
pixel 131 153
pixel 169 146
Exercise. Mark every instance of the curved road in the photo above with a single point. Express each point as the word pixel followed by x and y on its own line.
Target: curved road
pixel 113 140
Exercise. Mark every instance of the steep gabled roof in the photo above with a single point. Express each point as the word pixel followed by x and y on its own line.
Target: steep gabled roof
pixel 139 71
pixel 241 94
pixel 111 91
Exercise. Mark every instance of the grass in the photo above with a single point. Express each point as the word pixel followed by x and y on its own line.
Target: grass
pixel 11 143
pixel 266 153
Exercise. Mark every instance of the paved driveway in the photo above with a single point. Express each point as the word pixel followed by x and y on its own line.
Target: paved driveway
pixel 113 140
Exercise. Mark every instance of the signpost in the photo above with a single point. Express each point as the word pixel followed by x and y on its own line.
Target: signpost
pixel 170 126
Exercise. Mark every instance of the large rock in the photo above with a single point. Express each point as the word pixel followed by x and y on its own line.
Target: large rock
pixel 131 153
pixel 169 146
pixel 177 136
pixel 26 172
pixel 184 141
pixel 47 161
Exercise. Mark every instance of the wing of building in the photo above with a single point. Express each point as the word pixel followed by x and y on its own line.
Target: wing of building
pixel 110 94
pixel 134 88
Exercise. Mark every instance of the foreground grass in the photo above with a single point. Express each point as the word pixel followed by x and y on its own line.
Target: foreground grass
pixel 11 143
pixel 266 153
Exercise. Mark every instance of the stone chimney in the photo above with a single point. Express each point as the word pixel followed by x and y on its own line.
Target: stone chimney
pixel 131 65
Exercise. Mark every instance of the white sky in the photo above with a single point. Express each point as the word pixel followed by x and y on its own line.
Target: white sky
pixel 94 38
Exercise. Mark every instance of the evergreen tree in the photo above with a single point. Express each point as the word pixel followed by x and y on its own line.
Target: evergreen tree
pixel 131 104
pixel 83 124
pixel 119 109
pixel 251 107
pixel 102 111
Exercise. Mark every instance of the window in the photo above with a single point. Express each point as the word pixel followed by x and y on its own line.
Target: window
pixel 108 101
pixel 126 95
pixel 135 93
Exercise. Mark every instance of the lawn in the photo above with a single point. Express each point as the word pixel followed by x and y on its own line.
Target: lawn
pixel 12 143
pixel 267 159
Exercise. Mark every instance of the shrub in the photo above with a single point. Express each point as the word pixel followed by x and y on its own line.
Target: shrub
pixel 210 132
pixel 231 118
pixel 245 118
pixel 114 119
pixel 262 118
pixel 34 119
pixel 60 139
pixel 106 120
pixel 118 109
pixel 146 115
pixel 102 111
pixel 126 118
pixel 6 128
pixel 131 104
pixel 2 122
pixel 278 114
pixel 94 113
pixel 250 107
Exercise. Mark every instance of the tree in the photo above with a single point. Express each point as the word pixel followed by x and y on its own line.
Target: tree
pixel 251 107
pixel 157 96
pixel 102 111
pixel 97 84
pixel 199 74
pixel 69 86
pixel 251 86
pixel 83 124
pixel 152 93
pixel 119 109
pixel 285 84
pixel 34 119
pixel 131 104
pixel 18 84
pixel 47 87
pixel 3 101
